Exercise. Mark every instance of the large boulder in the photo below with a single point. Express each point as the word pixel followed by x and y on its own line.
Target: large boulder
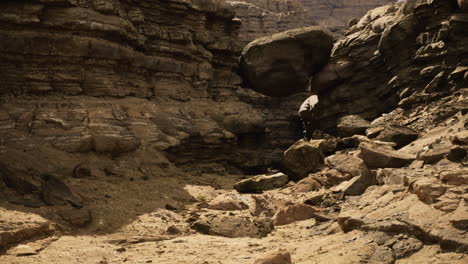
pixel 281 64
pixel 400 135
pixel 352 125
pixel 302 158
pixel 376 156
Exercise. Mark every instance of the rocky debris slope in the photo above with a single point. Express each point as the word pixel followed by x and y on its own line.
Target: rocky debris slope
pixel 397 55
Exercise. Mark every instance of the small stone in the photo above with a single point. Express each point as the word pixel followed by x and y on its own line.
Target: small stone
pixel 276 257
pixel 261 183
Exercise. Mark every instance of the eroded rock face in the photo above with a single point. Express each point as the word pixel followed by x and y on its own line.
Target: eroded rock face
pixel 281 64
pixel 265 17
pixel 132 80
pixel 388 51
pixel 336 14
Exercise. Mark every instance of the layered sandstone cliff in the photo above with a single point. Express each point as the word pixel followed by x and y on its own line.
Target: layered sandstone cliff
pixel 119 79
pixel 265 17
pixel 337 13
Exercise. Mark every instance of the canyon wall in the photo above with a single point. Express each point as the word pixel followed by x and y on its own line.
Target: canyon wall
pixel 337 13
pixel 265 17
pixel 115 78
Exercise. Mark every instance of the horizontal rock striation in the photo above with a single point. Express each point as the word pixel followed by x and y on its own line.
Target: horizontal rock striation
pixel 115 77
pixel 265 17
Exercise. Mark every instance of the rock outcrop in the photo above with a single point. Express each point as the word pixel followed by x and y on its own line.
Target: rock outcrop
pixel 394 59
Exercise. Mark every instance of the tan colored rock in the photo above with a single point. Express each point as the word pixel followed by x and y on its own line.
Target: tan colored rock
pixel 459 217
pixel 347 164
pixel 378 157
pixel 352 125
pixel 428 189
pixel 261 183
pixel 275 257
pixel 229 202
pixel 293 213
pixel 302 158
pixel 233 224
pixel 16 227
pixel 455 176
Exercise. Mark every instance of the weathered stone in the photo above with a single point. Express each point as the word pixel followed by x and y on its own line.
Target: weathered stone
pixel 56 192
pixel 17 227
pixel 307 184
pixel 428 189
pixel 229 202
pixel 347 164
pixel 352 125
pixel 378 157
pixel 233 225
pixel 293 213
pixel 402 136
pixel 261 183
pixel 302 158
pixel 406 246
pixel 459 217
pixel 76 217
pixel 455 176
pixel 280 65
pixel 275 257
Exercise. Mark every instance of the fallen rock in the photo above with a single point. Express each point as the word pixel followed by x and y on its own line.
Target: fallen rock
pixel 352 125
pixel 307 184
pixel 76 217
pixel 302 158
pixel 261 183
pixel 293 213
pixel 435 152
pixel 378 157
pixel 228 202
pixel 347 164
pixel 233 225
pixel 56 192
pixel 280 65
pixel 400 135
pixel 275 257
